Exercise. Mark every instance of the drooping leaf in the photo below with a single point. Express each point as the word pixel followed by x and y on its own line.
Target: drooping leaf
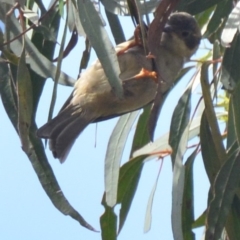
pixel 148 215
pixel 188 198
pixel 141 136
pixel 209 153
pixel 196 6
pixel 230 70
pixel 200 221
pixel 180 120
pixel 129 177
pixel 73 19
pixel 211 115
pixel 114 153
pixel 224 189
pixel 120 7
pixel 38 63
pixel 108 222
pixel 233 222
pixel 222 10
pixel 116 27
pixel 25 101
pixel 235 99
pixel 8 94
pixel 231 26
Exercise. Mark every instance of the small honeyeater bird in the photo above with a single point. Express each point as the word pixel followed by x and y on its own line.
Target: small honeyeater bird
pixel 93 100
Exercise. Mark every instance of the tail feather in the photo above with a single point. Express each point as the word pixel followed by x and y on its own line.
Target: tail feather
pixel 62 142
pixel 63 130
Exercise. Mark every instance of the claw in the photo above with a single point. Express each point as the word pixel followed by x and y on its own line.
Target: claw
pixel 145 73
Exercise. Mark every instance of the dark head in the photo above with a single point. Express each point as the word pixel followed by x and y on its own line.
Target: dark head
pixel 181 34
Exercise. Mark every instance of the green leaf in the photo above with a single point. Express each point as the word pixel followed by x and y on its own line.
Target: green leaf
pixel 8 94
pixel 129 177
pixel 233 220
pixel 196 6
pixel 224 189
pixel 211 115
pixel 180 120
pixel 141 136
pixel 58 71
pixel 120 7
pixel 222 11
pixel 38 63
pixel 114 153
pixel 235 99
pixel 108 222
pixel 73 19
pixel 48 180
pixel 101 43
pixel 231 129
pixel 231 26
pixel 148 215
pixel 24 94
pixel 116 27
pixel 188 199
pixel 178 186
pixel 230 70
pixel 209 153
pixel 200 221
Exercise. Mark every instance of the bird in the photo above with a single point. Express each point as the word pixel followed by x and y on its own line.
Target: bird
pixel 93 100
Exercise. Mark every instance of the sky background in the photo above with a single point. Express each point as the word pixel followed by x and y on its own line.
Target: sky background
pixel 26 211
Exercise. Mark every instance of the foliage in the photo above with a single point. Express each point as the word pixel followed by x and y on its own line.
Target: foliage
pixel 26 63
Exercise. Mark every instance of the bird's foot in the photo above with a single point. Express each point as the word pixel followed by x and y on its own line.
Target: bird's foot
pixel 146 73
pixel 137 41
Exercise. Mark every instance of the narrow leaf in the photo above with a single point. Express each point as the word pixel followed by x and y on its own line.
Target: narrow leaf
pixel 188 198
pixel 230 69
pixel 231 26
pixel 38 63
pixel 114 153
pixel 211 115
pixel 178 187
pixel 224 189
pixel 148 215
pixel 120 7
pixel 108 222
pixel 24 94
pixel 235 99
pixel 129 177
pixel 180 120
pixel 209 153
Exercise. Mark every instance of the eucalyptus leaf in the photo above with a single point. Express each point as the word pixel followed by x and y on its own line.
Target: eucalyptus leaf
pixel 120 7
pixel 114 154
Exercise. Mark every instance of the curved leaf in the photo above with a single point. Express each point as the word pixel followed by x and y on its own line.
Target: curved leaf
pixel 38 63
pixel 230 70
pixel 120 7
pixel 180 120
pixel 114 153
pixel 224 189
pixel 129 177
pixel 231 26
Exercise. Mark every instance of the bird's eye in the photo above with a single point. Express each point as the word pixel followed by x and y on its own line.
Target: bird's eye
pixel 185 34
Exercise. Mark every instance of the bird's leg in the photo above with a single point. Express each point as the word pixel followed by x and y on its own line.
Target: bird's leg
pixel 144 73
pixel 137 41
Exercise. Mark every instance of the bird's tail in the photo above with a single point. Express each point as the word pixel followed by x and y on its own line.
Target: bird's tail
pixel 63 130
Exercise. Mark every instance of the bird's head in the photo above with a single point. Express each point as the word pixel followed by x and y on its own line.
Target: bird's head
pixel 181 34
